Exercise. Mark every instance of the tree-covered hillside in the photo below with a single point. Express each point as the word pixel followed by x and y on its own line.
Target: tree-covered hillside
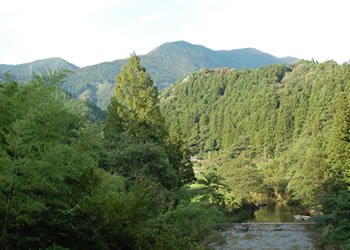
pixel 276 133
pixel 181 58
pixel 167 63
pixel 24 72
pixel 68 181
pixel 267 116
pixel 37 66
pixel 220 106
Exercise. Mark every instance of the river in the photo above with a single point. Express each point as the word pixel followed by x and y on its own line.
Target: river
pixel 265 236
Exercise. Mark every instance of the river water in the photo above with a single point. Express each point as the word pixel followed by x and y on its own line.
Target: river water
pixel 265 236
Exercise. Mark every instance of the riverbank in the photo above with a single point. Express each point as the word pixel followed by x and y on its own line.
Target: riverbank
pixel 234 216
pixel 262 233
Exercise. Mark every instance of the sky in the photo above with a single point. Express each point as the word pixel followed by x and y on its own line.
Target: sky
pixel 87 32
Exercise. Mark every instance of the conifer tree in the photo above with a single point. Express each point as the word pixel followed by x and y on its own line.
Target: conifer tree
pixel 134 107
pixel 338 149
pixel 136 139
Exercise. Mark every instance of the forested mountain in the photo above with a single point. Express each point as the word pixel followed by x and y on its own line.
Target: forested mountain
pixel 68 182
pixel 273 98
pixel 166 64
pixel 23 72
pixel 171 61
pixel 37 66
pixel 276 133
pixel 279 122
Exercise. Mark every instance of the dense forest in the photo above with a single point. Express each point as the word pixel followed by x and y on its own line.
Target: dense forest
pixel 69 180
pixel 166 64
pixel 283 133
pixel 74 177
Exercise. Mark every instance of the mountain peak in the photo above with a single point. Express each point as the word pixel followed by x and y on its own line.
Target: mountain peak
pixel 167 64
pixel 181 43
pixel 181 46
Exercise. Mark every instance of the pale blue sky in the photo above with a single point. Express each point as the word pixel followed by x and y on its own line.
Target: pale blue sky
pixel 87 32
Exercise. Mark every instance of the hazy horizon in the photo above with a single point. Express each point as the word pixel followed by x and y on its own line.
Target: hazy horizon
pixel 89 32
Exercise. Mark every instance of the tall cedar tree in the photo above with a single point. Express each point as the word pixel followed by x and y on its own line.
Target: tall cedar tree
pixel 136 134
pixel 338 149
pixel 134 107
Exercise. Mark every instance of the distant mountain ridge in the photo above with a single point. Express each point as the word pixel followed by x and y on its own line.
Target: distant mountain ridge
pixel 183 58
pixel 167 64
pixel 38 66
pixel 23 72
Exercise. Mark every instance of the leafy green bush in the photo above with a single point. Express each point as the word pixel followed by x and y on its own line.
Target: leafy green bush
pixel 48 157
pixel 195 219
pixel 335 220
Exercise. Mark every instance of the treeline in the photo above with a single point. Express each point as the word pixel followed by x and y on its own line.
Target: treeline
pixel 68 180
pixel 281 132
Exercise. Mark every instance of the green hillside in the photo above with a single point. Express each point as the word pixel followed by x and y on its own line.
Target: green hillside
pixel 71 182
pixel 275 134
pixel 23 72
pixel 167 63
pixel 37 66
pixel 273 122
pixel 171 61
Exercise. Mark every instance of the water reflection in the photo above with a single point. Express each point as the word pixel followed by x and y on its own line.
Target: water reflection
pixel 276 213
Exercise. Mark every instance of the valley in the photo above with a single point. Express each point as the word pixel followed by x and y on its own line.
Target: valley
pixel 162 169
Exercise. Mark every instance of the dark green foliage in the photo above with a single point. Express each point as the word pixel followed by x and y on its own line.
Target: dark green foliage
pixel 259 114
pixel 214 183
pixel 120 219
pixel 196 219
pixel 235 181
pixel 137 142
pixel 54 196
pixel 179 155
pixel 305 163
pixel 134 158
pixel 48 156
pixel 335 221
pixel 338 148
pixel 277 131
pixel 281 133
pixel 135 104
pixel 219 109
